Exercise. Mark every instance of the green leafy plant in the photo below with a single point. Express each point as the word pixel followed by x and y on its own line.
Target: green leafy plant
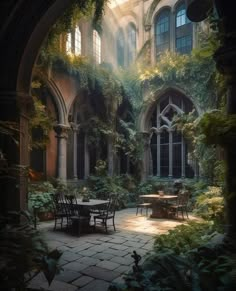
pixel 190 257
pixel 210 204
pixel 40 199
pixel 23 252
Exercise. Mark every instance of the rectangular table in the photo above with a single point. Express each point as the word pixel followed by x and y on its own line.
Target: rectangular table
pixel 157 200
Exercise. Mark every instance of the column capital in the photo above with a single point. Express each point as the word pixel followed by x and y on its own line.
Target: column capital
pixel 148 27
pixel 75 127
pixel 61 130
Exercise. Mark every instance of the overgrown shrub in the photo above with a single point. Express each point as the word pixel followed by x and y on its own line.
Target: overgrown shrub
pixel 210 204
pixel 104 186
pixel 40 196
pixel 185 237
pixel 191 257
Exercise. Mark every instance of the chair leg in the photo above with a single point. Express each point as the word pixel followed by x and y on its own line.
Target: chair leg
pixel 55 223
pixel 105 223
pixel 137 211
pixel 114 223
pixel 186 210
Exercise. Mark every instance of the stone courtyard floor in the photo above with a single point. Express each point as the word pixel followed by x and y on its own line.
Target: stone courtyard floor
pixel 93 261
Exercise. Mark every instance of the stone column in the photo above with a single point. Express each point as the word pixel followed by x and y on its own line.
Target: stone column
pixel 75 129
pixel 62 135
pixel 14 108
pixel 170 153
pixel 148 36
pixel 86 157
pixel 146 155
pixel 110 156
pixel 183 161
pixel 158 154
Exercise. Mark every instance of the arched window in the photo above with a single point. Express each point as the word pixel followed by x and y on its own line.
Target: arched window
pixel 77 41
pixel 120 48
pixel 169 151
pixel 183 31
pixel 69 43
pixel 131 37
pixel 162 31
pixel 97 47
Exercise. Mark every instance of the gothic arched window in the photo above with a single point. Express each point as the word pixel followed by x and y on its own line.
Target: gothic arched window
pixel 97 47
pixel 162 31
pixel 169 151
pixel 120 48
pixel 183 31
pixel 131 39
pixel 77 41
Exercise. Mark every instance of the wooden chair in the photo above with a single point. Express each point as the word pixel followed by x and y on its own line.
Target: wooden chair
pixel 107 214
pixel 77 219
pixel 180 205
pixel 143 205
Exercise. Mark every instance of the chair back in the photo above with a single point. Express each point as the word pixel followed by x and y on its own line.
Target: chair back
pixel 111 206
pixel 58 205
pixel 183 198
pixel 71 205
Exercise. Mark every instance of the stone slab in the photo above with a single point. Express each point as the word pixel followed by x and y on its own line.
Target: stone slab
pixel 108 265
pixel 101 273
pixel 96 285
pixel 82 281
pixel 67 276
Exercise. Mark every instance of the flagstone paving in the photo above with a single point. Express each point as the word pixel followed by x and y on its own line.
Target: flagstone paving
pixel 93 261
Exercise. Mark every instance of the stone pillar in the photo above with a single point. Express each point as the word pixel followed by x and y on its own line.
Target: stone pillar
pixel 183 161
pixel 62 135
pixel 170 153
pixel 148 36
pixel 158 154
pixel 110 156
pixel 75 129
pixel 14 108
pixel 86 157
pixel 146 155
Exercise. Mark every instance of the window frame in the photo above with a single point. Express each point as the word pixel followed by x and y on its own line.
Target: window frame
pixel 163 14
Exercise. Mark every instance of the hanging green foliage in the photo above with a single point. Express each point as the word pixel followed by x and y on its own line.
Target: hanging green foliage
pixel 40 121
pixel 218 128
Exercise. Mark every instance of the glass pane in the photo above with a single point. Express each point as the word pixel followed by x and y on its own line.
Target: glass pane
pixel 177 162
pixel 162 31
pixel 131 43
pixel 165 137
pixel 77 41
pixel 97 47
pixel 164 163
pixel 120 48
pixel 154 156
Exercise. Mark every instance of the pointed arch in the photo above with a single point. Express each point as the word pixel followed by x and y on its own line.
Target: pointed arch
pixel 143 120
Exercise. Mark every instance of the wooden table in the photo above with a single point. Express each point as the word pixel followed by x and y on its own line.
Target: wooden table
pixel 158 201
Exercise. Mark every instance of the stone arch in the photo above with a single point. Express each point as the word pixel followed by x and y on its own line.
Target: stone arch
pixel 157 13
pixel 149 15
pixel 35 41
pixel 59 101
